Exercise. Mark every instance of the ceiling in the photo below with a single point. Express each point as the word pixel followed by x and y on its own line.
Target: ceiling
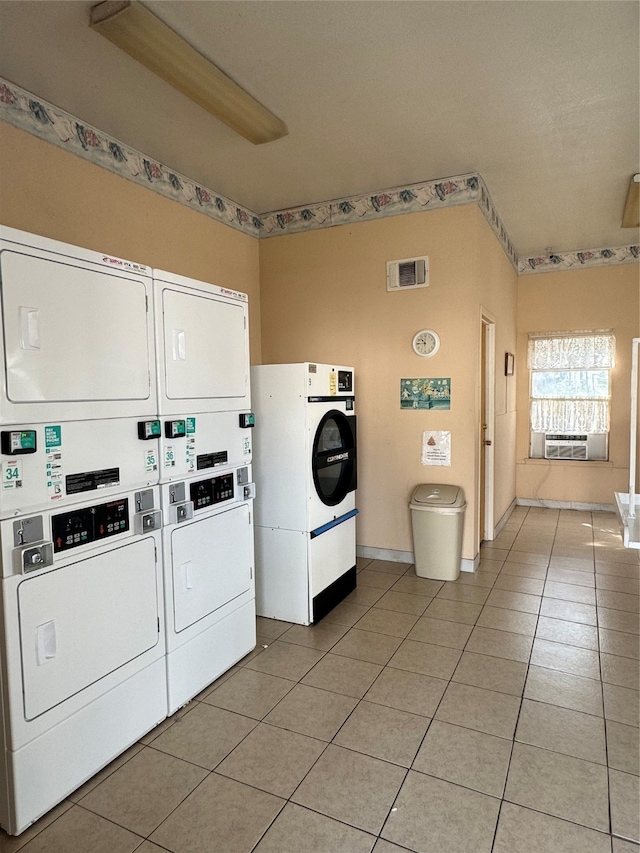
pixel 541 97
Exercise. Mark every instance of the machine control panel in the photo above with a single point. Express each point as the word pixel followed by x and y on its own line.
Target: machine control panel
pixel 148 430
pixel 175 429
pixel 13 442
pixel 89 524
pixel 205 493
pixel 210 460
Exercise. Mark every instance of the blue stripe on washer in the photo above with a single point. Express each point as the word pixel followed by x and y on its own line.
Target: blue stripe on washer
pixel 336 521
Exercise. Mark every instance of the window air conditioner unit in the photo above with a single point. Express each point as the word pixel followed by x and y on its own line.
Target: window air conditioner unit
pixel 408 273
pixel 566 446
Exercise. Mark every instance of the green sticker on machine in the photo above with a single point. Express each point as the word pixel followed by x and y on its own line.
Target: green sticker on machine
pixel 52 437
pixel 191 425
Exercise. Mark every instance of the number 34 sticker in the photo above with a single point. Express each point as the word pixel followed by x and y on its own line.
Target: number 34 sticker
pixel 12 474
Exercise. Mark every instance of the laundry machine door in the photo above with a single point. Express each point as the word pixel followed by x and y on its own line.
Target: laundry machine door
pixel 83 621
pixel 212 563
pixel 334 457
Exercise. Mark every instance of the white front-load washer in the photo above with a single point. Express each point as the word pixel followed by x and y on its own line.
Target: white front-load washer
pixel 305 468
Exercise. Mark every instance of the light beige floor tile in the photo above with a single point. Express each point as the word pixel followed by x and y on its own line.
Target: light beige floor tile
pixel 383 732
pixel 630 586
pixel 387 622
pixel 619 620
pixel 621 671
pixel 250 693
pixel 621 704
pixel 453 611
pixel 570 592
pixel 574 516
pixel 621 846
pixel 78 831
pixel 570 633
pixel 149 847
pixel 526 558
pixel 367 646
pixel 465 757
pixel 313 712
pixel 365 596
pixel 625 805
pixel 434 815
pixel 571 576
pixel 581 552
pixel 13 843
pixel 455 591
pixel 512 621
pixel 564 690
pixel 407 691
pixel 382 846
pixel 524 831
pixel 343 675
pixel 389 567
pixel 272 759
pixel 496 555
pixel 569 659
pixel 617 600
pixel 500 674
pixel 620 555
pixel 515 583
pixel 514 600
pixel 414 585
pixel 482 710
pixel 571 611
pixel 403 602
pixel 221 814
pixel 426 659
pixel 618 643
pixel 440 633
pixel 559 785
pixel 99 777
pixel 572 563
pixel 141 793
pixel 361 562
pixel 562 730
pixel 205 735
pixel 485 575
pixel 271 628
pixel 621 570
pixel 179 714
pixel 322 636
pixel 350 787
pixel 346 613
pixel 378 580
pixel 623 747
pixel 300 830
pixel 502 644
pixel 285 660
pixel 533 545
pixel 524 570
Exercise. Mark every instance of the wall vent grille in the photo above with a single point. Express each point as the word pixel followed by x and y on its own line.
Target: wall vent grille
pixel 408 273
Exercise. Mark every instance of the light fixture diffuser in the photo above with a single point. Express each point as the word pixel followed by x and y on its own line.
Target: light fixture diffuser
pixel 631 215
pixel 137 31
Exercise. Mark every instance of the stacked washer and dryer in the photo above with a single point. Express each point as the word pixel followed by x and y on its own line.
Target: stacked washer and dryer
pixel 109 620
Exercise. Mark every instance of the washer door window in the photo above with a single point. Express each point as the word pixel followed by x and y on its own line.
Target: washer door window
pixel 334 457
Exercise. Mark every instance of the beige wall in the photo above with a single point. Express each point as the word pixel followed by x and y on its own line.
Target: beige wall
pixel 324 299
pixel 601 298
pixel 52 192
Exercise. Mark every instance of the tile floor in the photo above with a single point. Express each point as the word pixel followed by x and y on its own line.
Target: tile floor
pixel 497 713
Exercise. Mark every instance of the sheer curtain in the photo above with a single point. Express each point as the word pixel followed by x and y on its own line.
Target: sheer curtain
pixel 570 388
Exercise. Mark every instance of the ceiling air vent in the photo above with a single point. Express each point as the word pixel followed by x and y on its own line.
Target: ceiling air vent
pixel 408 273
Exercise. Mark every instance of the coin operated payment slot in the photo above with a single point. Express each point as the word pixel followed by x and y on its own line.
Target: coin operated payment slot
pixel 146 518
pixel 148 430
pixel 247 420
pixel 175 429
pixel 180 509
pixel 15 442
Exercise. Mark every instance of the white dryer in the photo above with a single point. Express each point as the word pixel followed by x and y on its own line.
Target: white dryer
pixel 205 472
pixel 305 468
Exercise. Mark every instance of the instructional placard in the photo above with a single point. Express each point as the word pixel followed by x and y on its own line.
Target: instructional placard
pixel 436 447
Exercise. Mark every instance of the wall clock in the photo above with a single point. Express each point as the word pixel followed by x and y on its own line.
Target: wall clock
pixel 426 343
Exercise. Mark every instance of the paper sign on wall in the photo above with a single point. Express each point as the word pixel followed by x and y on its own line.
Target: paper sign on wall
pixel 436 447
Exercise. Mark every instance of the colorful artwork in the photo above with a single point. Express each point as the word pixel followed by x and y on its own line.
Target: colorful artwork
pixel 425 394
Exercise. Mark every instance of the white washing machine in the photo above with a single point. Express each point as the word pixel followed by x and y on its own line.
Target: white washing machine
pixel 305 468
pixel 205 470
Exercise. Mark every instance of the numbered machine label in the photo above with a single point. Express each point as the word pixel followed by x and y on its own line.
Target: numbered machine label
pixel 53 461
pixel 151 460
pixel 12 474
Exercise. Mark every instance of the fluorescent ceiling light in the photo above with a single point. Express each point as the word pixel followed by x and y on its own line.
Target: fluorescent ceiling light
pixel 137 31
pixel 631 215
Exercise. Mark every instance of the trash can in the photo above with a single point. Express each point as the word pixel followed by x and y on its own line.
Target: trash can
pixel 437 520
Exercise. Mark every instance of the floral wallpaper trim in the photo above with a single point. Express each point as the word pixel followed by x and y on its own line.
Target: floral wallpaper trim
pixel 579 260
pixel 25 111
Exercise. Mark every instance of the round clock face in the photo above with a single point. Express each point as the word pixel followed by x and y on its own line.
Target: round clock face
pixel 426 342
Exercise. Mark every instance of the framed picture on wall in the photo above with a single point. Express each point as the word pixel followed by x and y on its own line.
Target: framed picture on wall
pixel 509 364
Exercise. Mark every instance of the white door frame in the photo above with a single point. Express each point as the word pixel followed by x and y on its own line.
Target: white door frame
pixel 489 391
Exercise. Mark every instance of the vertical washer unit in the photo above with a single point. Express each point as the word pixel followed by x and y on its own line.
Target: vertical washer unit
pixel 306 470
pixel 205 473
pixel 82 654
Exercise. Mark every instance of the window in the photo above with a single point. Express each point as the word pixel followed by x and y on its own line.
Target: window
pixel 571 381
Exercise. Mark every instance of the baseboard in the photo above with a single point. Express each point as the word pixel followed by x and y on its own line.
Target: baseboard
pixel 392 556
pixel 587 507
pixel 505 517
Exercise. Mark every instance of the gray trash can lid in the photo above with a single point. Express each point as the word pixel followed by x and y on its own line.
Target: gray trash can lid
pixel 438 494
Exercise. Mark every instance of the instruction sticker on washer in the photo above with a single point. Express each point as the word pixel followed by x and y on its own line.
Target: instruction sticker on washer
pixel 53 461
pixel 12 474
pixel 191 445
pixel 436 447
pixel 333 383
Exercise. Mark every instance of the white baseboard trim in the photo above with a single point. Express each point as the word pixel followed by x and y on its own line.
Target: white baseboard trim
pixel 392 556
pixel 505 517
pixel 566 505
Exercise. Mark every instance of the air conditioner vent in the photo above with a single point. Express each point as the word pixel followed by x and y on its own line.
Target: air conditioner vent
pixel 408 273
pixel 565 446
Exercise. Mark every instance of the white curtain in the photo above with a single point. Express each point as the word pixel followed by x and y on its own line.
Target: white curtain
pixel 576 412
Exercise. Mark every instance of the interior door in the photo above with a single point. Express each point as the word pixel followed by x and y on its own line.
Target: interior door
pixel 211 564
pixel 334 457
